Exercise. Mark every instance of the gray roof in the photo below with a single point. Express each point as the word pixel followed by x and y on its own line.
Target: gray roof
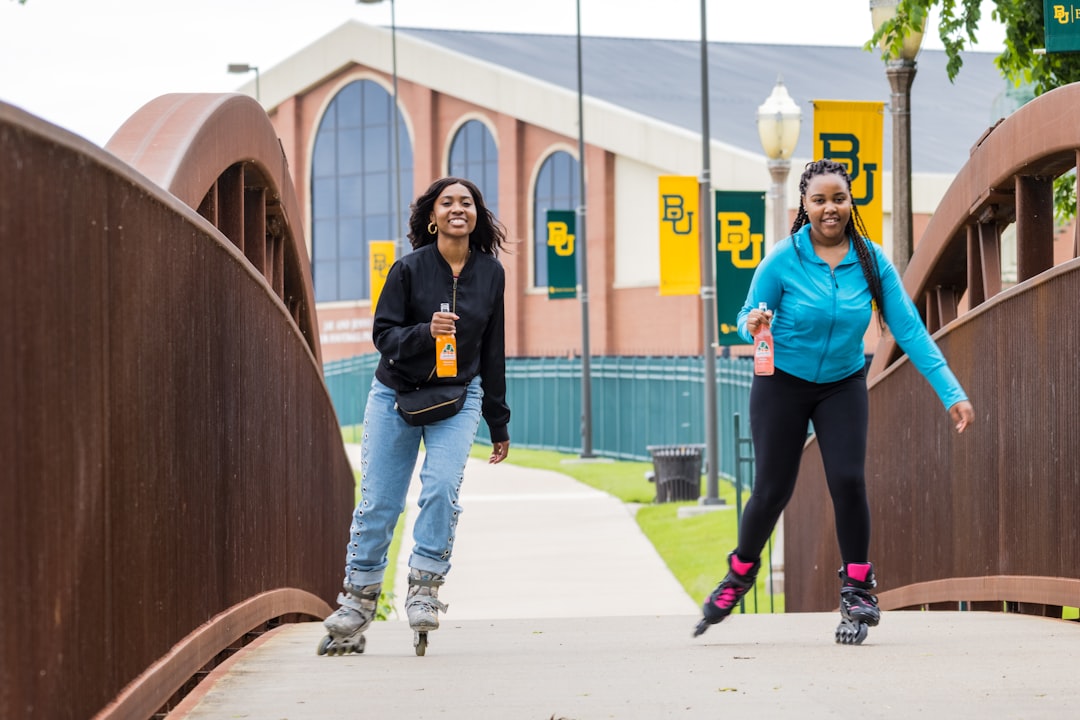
pixel 662 79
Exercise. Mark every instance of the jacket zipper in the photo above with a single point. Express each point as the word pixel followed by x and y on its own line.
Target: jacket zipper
pixel 832 324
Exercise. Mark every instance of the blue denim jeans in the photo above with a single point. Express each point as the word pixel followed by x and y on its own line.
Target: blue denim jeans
pixel 388 455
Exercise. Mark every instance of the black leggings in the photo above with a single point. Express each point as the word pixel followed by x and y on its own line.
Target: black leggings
pixel 781 405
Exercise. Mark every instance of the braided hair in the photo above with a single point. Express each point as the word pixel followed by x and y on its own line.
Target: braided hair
pixel 855 230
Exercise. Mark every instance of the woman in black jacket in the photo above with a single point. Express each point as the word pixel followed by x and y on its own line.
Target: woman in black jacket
pixel 455 239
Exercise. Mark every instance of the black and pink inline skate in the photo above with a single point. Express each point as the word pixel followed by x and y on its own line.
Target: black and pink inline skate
pixel 739 579
pixel 858 607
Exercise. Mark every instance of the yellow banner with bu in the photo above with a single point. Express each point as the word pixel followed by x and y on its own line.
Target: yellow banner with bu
pixel 680 235
pixel 381 254
pixel 850 132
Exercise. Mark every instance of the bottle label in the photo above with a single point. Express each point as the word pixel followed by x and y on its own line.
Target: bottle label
pixel 448 353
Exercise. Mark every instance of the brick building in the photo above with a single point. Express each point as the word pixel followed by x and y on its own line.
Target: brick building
pixel 501 109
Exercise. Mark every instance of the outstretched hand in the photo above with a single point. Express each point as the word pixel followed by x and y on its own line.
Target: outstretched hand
pixel 962 414
pixel 499 451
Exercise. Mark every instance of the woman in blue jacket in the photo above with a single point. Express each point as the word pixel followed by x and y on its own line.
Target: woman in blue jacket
pixel 455 241
pixel 819 286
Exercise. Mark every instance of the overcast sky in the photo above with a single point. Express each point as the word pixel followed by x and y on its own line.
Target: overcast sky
pixel 87 65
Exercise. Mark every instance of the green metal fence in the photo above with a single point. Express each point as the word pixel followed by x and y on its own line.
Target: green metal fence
pixel 637 402
pixel 348 382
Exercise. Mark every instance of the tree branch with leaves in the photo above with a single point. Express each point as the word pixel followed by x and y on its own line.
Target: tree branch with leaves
pixel 958 26
pixel 1018 62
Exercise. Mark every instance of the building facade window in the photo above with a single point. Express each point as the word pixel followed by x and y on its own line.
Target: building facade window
pixel 473 156
pixel 557 188
pixel 352 188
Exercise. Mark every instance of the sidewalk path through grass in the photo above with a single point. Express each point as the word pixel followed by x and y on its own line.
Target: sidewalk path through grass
pixel 539 544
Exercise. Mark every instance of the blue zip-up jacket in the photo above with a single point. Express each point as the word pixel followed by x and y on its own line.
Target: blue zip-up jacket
pixel 820 316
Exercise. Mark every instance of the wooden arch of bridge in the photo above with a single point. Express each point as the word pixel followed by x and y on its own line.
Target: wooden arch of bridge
pixel 987 519
pixel 174 478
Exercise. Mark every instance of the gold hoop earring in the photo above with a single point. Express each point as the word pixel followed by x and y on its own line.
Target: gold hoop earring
pixel 432 228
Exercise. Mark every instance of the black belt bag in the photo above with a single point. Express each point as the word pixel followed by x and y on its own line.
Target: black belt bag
pixel 430 403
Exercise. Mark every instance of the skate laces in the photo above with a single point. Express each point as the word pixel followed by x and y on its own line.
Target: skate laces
pixel 423 590
pixel 428 601
pixel 347 621
pixel 858 597
pixel 735 585
pixel 728 595
pixel 726 599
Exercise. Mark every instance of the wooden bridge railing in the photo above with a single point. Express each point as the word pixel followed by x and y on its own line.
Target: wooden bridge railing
pixel 172 474
pixel 988 518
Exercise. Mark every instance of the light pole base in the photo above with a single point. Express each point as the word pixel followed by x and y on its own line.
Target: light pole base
pixel 687 511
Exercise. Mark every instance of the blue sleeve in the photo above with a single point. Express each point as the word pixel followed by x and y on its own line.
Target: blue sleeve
pixel 911 334
pixel 765 287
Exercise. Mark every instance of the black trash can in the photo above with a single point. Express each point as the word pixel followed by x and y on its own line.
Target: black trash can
pixel 677 471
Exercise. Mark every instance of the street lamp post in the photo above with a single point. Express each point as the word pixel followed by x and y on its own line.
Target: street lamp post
pixel 708 284
pixel 900 69
pixel 240 68
pixel 778 122
pixel 399 239
pixel 586 363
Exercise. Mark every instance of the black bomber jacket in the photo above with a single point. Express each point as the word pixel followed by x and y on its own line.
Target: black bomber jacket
pixel 416 286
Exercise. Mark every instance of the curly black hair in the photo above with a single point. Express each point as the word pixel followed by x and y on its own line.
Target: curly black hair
pixel 487 237
pixel 855 229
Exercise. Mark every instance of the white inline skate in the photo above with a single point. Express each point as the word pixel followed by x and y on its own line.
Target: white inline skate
pixel 347 624
pixel 422 605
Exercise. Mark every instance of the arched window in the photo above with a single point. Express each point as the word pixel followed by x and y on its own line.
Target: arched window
pixel 473 156
pixel 352 189
pixel 556 189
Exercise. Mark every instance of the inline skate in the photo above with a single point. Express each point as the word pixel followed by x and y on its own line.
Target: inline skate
pixel 347 624
pixel 739 579
pixel 422 605
pixel 858 607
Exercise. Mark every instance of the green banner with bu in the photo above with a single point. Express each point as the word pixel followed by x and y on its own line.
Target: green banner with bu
pixel 740 246
pixel 1061 25
pixel 561 254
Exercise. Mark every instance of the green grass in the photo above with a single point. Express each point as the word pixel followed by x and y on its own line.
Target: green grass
pixel 694 548
pixel 387 597
pixel 625 480
pixel 351 434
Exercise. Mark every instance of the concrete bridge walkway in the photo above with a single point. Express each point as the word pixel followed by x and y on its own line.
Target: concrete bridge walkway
pixel 560 608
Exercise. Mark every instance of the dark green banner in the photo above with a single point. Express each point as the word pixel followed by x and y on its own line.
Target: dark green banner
pixel 561 254
pixel 740 246
pixel 1061 22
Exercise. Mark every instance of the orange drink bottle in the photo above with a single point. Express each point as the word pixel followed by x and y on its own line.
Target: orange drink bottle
pixel 763 348
pixel 445 351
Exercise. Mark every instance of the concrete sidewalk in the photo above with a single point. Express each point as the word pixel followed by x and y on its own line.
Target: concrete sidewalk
pixel 561 609
pixel 915 664
pixel 539 544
